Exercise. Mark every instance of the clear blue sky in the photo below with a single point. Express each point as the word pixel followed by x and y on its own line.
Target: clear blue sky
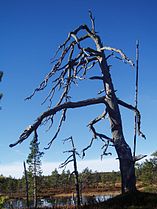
pixel 30 32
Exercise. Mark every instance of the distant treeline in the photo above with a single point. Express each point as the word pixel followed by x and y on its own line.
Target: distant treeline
pixel 146 173
pixel 61 182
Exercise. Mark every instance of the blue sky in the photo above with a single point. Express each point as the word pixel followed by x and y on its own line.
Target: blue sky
pixel 31 32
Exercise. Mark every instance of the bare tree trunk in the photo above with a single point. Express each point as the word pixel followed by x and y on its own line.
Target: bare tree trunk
pixel 72 158
pixel 123 150
pixel 78 203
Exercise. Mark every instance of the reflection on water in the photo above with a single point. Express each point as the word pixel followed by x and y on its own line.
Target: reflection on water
pixel 56 201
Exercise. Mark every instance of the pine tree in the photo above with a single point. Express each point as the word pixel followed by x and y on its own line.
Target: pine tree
pixel 34 167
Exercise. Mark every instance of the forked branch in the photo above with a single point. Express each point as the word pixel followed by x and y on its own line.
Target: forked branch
pixel 96 135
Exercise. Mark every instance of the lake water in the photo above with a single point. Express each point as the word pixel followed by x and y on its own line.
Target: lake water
pixel 56 201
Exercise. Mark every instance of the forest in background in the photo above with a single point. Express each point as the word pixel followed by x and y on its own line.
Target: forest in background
pixel 64 183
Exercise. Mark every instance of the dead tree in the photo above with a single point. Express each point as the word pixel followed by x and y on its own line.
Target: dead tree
pixel 72 62
pixel 72 158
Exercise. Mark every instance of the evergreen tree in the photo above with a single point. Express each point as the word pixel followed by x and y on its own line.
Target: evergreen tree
pixel 86 177
pixel 54 178
pixel 34 167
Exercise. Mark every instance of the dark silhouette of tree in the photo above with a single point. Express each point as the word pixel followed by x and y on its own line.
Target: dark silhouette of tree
pixel 72 158
pixel 75 60
pixel 34 167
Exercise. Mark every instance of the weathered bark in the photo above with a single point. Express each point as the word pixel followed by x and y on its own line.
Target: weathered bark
pixel 122 148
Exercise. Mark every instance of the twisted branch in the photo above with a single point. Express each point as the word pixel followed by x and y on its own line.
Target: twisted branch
pixel 138 115
pixel 95 133
pixel 106 145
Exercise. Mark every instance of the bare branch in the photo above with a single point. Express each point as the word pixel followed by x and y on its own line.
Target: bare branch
pixel 97 119
pixel 110 55
pixel 83 151
pixel 50 118
pixel 101 136
pixel 106 145
pixel 78 154
pixel 101 91
pixel 86 59
pixel 123 56
pixel 139 157
pixel 65 162
pixel 67 139
pixel 128 106
pixel 96 134
pixel 64 165
pixel 92 20
pixel 96 78
pixel 92 52
pixel 58 62
pixel 68 151
pixel 59 127
pixel 68 105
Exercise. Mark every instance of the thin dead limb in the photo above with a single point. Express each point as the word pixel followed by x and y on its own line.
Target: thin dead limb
pixel 72 158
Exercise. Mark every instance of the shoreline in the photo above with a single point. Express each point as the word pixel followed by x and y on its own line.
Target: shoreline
pixel 92 193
